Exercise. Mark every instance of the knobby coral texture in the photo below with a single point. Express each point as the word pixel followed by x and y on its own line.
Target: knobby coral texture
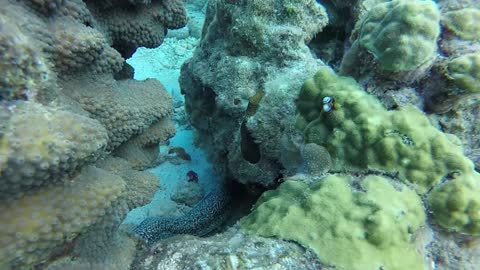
pixel 359 117
pixel 63 116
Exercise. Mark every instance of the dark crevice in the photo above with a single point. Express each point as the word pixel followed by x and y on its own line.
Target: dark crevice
pixel 250 149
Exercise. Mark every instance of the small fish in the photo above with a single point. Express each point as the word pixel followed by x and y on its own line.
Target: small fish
pixel 192 176
pixel 181 153
pixel 329 104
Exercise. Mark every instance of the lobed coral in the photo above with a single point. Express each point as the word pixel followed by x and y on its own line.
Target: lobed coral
pixel 362 134
pixel 33 226
pixel 58 61
pixel 401 35
pixel 464 72
pixel 369 228
pixel 463 22
pixel 455 205
pixel 42 146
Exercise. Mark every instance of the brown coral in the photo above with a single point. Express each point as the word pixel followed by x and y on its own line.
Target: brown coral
pixel 61 57
pixel 142 151
pixel 125 108
pixel 41 146
pixel 33 226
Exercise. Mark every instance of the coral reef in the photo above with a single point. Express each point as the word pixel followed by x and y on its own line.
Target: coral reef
pixel 41 146
pixel 342 109
pixel 400 34
pixel 34 225
pixel 418 154
pixel 368 228
pixel 412 72
pixel 362 134
pixel 62 115
pixel 249 47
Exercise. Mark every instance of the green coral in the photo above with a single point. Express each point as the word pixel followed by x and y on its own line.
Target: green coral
pixel 401 34
pixel 349 229
pixel 464 71
pixel 456 204
pixel 464 23
pixel 360 133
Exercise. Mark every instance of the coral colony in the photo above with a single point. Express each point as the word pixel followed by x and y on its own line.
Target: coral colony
pixel 273 134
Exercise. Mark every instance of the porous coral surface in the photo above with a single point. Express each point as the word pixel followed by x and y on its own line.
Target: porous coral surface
pixel 61 196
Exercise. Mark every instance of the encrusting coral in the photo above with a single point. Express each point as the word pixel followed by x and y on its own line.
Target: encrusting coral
pixel 369 228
